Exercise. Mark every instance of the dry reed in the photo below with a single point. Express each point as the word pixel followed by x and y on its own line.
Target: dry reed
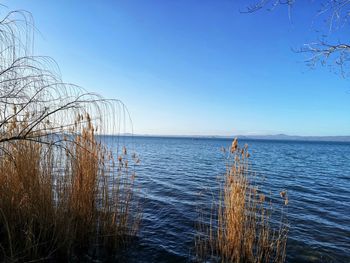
pixel 240 228
pixel 63 193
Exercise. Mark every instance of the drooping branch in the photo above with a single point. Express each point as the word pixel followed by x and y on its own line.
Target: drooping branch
pixel 35 104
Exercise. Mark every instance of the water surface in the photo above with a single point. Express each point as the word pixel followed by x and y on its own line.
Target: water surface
pixel 173 171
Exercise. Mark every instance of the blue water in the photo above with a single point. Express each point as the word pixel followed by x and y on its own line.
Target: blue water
pixel 175 172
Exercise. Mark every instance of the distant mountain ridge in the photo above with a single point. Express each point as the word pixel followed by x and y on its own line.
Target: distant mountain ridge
pixel 280 137
pixel 296 138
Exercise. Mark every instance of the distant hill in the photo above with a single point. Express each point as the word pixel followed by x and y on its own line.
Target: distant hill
pixel 296 138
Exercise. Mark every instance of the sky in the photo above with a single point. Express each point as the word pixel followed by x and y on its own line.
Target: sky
pixel 195 67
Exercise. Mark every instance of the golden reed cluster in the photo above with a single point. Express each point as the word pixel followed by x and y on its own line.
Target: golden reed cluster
pixel 57 203
pixel 240 228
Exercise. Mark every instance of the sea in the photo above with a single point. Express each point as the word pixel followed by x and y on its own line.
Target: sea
pixel 178 175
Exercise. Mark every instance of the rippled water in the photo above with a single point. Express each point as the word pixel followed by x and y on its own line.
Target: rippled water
pixel 173 171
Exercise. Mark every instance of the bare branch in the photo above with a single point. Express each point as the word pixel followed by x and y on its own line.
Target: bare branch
pixel 336 15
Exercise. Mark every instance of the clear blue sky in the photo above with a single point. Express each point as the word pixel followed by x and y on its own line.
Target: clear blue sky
pixel 194 67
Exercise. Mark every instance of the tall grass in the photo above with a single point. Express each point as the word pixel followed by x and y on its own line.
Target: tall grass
pixel 63 193
pixel 241 228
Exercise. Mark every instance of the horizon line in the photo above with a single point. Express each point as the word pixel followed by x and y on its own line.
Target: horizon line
pixel 231 136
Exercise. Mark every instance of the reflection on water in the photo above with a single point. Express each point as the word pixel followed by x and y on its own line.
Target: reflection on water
pixel 174 170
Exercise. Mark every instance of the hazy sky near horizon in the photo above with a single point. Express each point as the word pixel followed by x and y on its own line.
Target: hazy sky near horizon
pixel 195 67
